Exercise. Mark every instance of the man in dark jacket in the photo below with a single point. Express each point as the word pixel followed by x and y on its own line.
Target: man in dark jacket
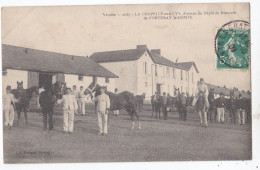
pixel 183 106
pixel 241 110
pixel 221 107
pixel 164 106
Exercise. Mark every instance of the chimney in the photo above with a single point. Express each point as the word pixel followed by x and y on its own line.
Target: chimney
pixel 156 51
pixel 141 47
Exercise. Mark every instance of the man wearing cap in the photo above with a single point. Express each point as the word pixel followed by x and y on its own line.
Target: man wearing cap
pixel 9 106
pixel 69 106
pixel 164 106
pixel 221 107
pixel 202 87
pixel 240 110
pixel 103 107
pixel 183 106
pixel 82 101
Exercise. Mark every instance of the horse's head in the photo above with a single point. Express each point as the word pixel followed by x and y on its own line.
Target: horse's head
pixel 143 95
pixel 59 89
pixel 92 87
pixel 19 85
pixel 35 89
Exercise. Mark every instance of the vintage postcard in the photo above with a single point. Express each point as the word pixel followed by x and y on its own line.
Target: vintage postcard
pixel 126 83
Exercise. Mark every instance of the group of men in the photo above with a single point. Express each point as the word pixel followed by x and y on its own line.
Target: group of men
pixel 201 105
pixel 73 102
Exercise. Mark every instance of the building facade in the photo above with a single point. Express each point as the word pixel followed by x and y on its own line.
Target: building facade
pixel 146 71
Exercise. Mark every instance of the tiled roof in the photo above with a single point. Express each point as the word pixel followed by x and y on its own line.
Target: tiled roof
pixel 121 55
pixel 188 65
pixel 157 59
pixel 37 60
pixel 133 54
pixel 226 91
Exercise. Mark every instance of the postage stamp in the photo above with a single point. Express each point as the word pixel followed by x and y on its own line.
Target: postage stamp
pixel 232 45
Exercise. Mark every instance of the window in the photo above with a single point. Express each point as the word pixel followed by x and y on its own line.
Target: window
pixel 181 88
pixel 107 80
pixel 156 70
pixel 80 78
pixel 145 67
pixel 186 76
pixel 4 72
pixel 163 69
pixel 181 75
pixel 192 77
pixel 173 73
pixel 168 72
pixel 146 84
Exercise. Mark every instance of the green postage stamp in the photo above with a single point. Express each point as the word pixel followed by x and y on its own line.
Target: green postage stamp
pixel 232 45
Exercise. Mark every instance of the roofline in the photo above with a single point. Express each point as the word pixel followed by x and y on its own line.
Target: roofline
pixel 51 71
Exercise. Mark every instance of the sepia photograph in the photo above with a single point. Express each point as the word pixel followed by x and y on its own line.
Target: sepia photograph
pixel 126 83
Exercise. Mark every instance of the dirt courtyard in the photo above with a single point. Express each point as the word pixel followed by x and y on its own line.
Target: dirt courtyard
pixel 158 140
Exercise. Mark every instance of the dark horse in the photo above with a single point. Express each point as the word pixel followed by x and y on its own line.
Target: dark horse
pixel 48 99
pixel 139 101
pixel 212 111
pixel 24 96
pixel 124 100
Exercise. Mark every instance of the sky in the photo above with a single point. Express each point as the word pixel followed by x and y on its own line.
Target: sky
pixel 83 30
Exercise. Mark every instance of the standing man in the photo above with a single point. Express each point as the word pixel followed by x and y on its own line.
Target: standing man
pixel 221 107
pixel 164 106
pixel 69 106
pixel 116 112
pixel 183 106
pixel 81 101
pixel 9 107
pixel 240 110
pixel 103 107
pixel 75 94
pixel 204 89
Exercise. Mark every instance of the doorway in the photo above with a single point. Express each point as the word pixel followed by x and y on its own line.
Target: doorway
pixel 45 78
pixel 158 88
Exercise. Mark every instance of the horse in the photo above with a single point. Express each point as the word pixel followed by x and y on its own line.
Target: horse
pixel 172 102
pixel 139 101
pixel 24 96
pixel 178 101
pixel 48 99
pixel 124 100
pixel 212 106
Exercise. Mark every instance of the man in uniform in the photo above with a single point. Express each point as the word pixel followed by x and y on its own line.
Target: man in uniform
pixel 103 107
pixel 69 106
pixel 116 112
pixel 221 108
pixel 75 94
pixel 9 107
pixel 164 106
pixel 81 101
pixel 183 106
pixel 240 110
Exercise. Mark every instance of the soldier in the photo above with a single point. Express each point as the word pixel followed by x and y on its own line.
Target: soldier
pixel 9 107
pixel 164 106
pixel 103 107
pixel 240 110
pixel 69 107
pixel 183 106
pixel 221 107
pixel 75 94
pixel 81 101
pixel 116 112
